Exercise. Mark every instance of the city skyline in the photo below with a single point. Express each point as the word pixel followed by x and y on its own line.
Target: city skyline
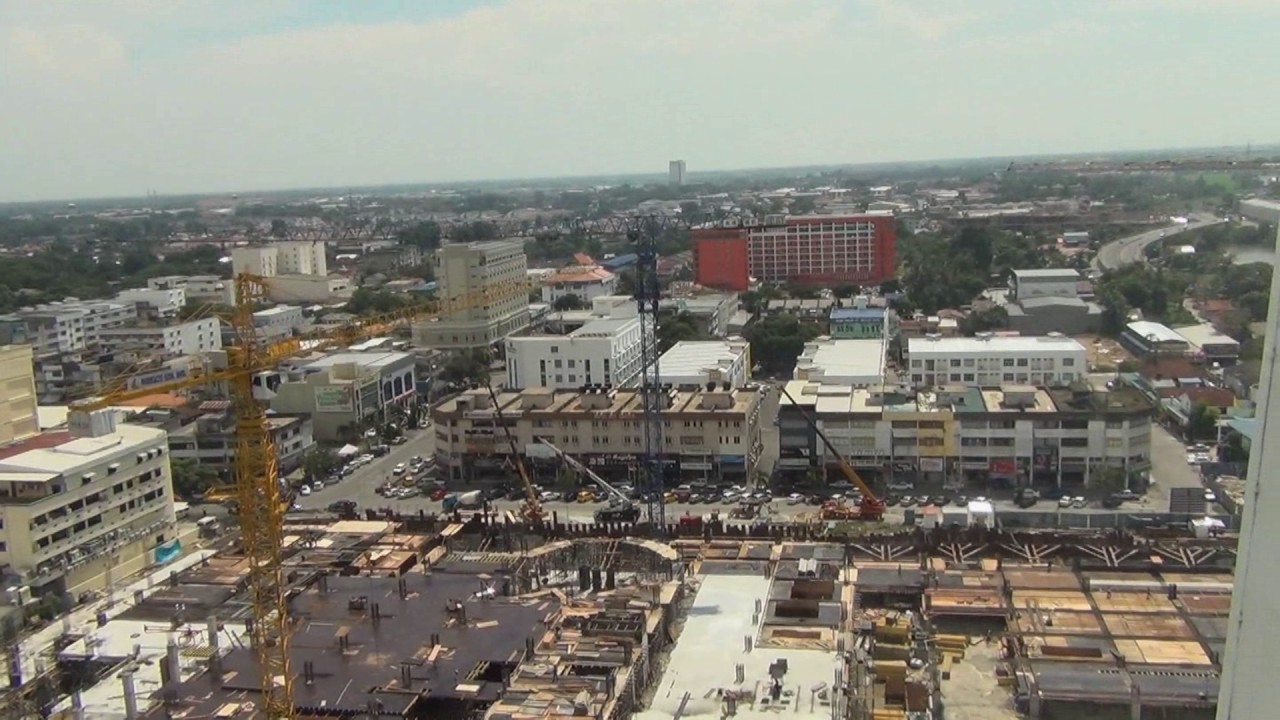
pixel 117 99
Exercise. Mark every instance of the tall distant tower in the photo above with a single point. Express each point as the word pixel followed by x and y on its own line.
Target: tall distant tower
pixel 675 172
pixel 1248 688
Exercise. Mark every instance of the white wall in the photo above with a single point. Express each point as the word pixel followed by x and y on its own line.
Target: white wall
pixel 185 338
pixel 1046 363
pixel 1248 688
pixel 166 302
pixel 255 261
pixel 570 361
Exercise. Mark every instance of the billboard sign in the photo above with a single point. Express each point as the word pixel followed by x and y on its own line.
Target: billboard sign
pixel 335 398
pixel 1004 466
pixel 159 377
pixel 933 465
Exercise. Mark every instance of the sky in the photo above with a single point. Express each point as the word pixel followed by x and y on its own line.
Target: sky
pixel 122 97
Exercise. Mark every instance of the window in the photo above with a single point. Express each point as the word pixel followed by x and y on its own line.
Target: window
pixel 968 362
pixel 1022 362
pixel 955 363
pixel 1008 362
pixel 1068 362
pixel 968 377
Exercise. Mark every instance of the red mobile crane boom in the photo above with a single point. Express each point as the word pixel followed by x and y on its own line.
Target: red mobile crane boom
pixel 871 507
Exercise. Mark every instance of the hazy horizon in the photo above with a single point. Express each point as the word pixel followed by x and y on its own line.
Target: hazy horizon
pixel 186 97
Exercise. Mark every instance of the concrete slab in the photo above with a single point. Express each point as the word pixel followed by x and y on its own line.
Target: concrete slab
pixel 711 645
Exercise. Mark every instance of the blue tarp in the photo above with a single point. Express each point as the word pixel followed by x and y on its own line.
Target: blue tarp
pixel 168 552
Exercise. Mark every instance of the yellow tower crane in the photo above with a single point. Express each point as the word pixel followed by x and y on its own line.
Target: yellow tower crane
pixel 257 473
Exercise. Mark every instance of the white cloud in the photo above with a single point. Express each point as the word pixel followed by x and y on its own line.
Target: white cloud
pixel 153 94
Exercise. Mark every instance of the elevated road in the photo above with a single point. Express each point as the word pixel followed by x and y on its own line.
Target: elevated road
pixel 1133 249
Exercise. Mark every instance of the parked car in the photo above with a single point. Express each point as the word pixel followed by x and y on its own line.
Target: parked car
pixel 1064 501
pixel 305 490
pixel 399 469
pixel 900 486
pixel 1078 502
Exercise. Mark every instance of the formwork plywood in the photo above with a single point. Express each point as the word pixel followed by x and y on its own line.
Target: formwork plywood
pixel 1206 604
pixel 1041 580
pixel 1167 626
pixel 1051 600
pixel 1088 648
pixel 1060 622
pixel 1174 578
pixel 1133 602
pixel 1162 652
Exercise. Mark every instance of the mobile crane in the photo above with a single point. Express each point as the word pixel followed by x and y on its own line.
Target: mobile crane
pixel 261 515
pixel 620 509
pixel 531 511
pixel 871 507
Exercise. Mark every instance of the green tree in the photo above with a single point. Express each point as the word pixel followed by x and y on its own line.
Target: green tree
pixel 1202 422
pixel 777 340
pixel 1105 480
pixel 425 235
pixel 569 302
pixel 366 301
pixel 678 327
pixel 191 478
pixel 319 462
pixel 993 318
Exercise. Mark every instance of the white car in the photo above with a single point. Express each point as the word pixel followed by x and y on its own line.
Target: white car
pixel 1078 502
pixel 305 490
pixel 795 499
pixel 1064 501
pixel 1210 496
pixel 399 469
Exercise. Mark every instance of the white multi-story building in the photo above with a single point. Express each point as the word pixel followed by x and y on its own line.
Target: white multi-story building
pixel 484 289
pixel 279 321
pixel 301 257
pixel 342 392
pixel 211 438
pixel 990 360
pixel 1248 689
pixel 605 352
pixel 198 288
pixel 586 282
pixel 63 327
pixel 1044 282
pixel 187 337
pixel 1044 435
pixel 308 288
pixel 675 172
pixel 294 257
pixel 17 394
pixel 705 433
pixel 262 260
pixel 692 364
pixel 856 363
pixel 155 304
pixel 80 503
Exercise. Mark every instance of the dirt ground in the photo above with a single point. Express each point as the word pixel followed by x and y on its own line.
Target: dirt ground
pixel 972 692
pixel 1103 352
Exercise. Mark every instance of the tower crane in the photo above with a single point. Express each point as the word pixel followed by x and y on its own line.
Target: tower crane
pixel 644 232
pixel 261 515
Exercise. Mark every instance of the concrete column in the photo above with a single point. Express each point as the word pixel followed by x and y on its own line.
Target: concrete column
pixel 130 696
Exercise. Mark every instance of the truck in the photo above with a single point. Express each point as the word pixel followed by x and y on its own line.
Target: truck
pixel 463 501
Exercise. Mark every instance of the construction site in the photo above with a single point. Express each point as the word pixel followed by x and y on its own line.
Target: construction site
pixel 478 616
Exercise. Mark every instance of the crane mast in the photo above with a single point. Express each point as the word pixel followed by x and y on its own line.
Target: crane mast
pixel 261 514
pixel 648 299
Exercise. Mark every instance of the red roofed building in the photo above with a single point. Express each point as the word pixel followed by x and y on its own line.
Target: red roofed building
pixel 585 281
pixel 820 250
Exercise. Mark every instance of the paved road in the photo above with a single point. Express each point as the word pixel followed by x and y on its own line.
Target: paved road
pixel 1132 249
